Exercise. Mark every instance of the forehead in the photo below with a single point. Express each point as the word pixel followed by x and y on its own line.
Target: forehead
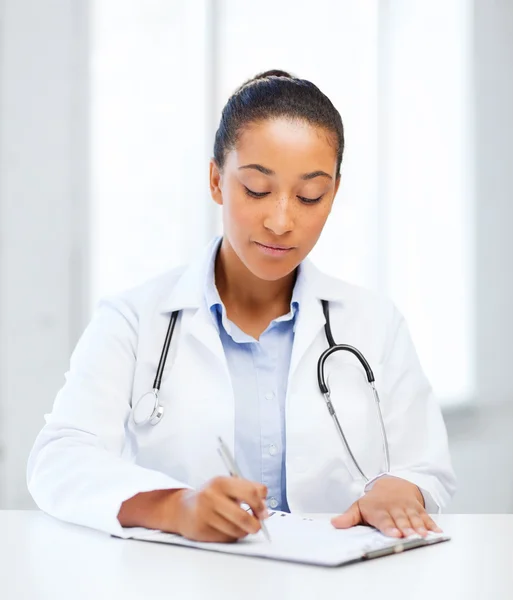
pixel 286 145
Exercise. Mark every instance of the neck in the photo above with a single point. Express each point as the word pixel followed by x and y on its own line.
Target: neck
pixel 244 293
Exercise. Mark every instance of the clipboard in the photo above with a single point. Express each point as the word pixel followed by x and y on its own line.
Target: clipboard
pixel 302 540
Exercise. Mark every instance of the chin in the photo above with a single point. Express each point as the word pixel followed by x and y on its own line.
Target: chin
pixel 271 272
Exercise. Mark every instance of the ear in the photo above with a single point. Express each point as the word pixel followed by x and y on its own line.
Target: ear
pixel 215 183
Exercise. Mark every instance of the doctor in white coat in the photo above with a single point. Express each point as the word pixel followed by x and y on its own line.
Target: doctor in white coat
pixel 243 364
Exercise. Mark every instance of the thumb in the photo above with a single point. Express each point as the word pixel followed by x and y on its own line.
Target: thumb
pixel 262 490
pixel 350 518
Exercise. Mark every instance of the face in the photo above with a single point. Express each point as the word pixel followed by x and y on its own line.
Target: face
pixel 277 188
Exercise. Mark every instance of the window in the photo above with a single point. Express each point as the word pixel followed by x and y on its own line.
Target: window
pixel 150 151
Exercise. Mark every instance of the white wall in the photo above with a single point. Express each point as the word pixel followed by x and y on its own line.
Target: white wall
pixel 151 138
pixel 481 439
pixel 494 202
pixel 481 447
pixel 426 187
pixel 43 220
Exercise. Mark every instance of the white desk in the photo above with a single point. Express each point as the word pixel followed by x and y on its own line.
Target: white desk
pixel 43 558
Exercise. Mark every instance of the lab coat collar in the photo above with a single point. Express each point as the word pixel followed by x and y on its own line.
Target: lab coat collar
pixel 189 290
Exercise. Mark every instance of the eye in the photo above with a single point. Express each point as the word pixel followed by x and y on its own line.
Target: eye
pixel 310 200
pixel 255 194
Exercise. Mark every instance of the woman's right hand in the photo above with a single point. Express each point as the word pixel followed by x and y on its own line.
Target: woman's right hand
pixel 213 513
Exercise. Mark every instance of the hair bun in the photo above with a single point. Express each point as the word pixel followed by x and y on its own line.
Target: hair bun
pixel 263 76
pixel 272 73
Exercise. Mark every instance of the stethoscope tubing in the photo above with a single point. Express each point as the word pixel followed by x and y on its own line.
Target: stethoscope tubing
pixel 333 348
pixel 158 409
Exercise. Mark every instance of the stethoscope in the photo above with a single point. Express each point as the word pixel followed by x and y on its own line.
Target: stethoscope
pixel 148 410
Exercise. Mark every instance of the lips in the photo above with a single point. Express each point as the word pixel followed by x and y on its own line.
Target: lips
pixel 274 249
pixel 275 246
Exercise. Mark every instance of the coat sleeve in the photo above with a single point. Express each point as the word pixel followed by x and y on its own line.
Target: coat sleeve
pixel 415 427
pixel 76 471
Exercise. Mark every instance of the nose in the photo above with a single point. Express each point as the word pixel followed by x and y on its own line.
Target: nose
pixel 279 220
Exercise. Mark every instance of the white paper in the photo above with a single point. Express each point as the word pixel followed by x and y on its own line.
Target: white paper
pixel 293 538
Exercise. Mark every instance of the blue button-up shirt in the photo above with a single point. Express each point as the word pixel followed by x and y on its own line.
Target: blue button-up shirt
pixel 259 372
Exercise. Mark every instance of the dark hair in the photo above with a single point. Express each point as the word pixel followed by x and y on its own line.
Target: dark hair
pixel 275 94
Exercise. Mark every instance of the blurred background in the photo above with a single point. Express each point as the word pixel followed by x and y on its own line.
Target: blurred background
pixel 108 110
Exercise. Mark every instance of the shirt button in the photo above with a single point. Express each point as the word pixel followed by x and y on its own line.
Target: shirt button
pixel 269 396
pixel 272 450
pixel 273 503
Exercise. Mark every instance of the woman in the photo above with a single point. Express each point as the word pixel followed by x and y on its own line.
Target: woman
pixel 242 364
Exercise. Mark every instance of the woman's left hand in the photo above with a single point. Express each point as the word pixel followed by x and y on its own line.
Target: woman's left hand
pixel 394 506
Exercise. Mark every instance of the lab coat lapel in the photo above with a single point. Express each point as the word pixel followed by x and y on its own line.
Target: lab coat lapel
pixel 199 335
pixel 310 319
pixel 188 295
pixel 313 286
pixel 203 329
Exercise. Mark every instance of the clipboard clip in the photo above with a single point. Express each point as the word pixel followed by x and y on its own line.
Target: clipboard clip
pixel 403 546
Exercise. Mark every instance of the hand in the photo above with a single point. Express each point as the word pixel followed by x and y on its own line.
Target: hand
pixel 213 514
pixel 394 506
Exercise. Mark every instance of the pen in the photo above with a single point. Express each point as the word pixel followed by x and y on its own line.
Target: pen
pixel 234 471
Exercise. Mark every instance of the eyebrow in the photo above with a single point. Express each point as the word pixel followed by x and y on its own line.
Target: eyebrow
pixel 266 171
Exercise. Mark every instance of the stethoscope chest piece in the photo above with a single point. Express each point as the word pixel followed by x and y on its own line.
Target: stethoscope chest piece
pixel 148 410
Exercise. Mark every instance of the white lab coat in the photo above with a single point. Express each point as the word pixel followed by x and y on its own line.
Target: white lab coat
pixel 90 457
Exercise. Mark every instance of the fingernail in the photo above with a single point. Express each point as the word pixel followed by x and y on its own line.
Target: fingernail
pixel 392 532
pixel 409 531
pixel 422 531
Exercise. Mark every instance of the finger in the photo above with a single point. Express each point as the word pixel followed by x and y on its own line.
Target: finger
pixel 350 518
pixel 402 522
pixel 429 524
pixel 211 534
pixel 251 493
pixel 227 528
pixel 383 521
pixel 417 522
pixel 232 512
